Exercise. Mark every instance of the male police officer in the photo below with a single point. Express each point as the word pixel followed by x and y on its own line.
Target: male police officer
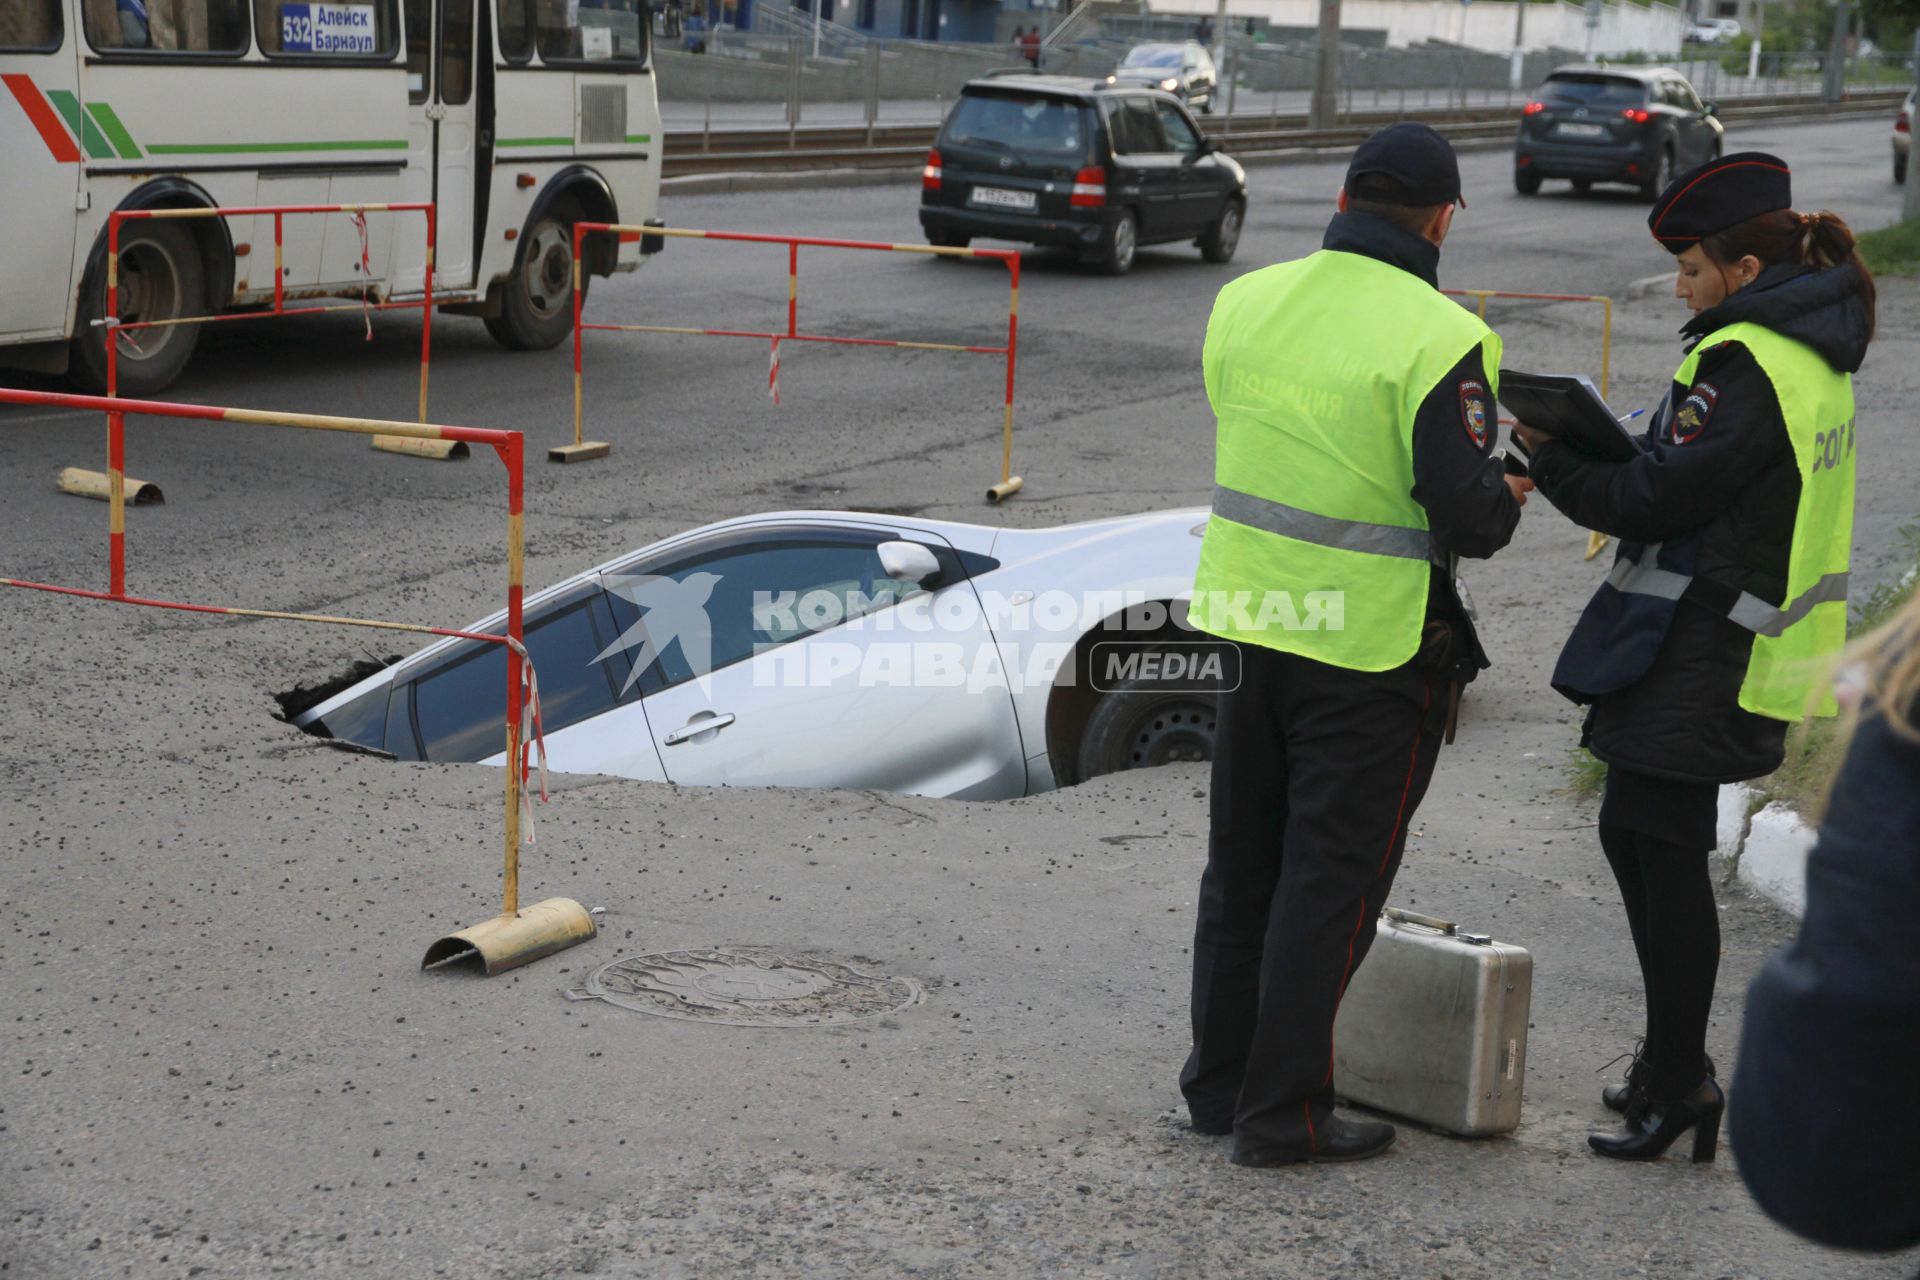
pixel 1353 463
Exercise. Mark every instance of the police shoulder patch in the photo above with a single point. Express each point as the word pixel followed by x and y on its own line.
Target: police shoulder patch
pixel 1690 419
pixel 1476 412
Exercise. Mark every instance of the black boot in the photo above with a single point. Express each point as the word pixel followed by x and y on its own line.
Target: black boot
pixel 1658 1125
pixel 1339 1140
pixel 1621 1097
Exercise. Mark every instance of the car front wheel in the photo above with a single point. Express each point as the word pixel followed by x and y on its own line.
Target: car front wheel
pixel 1139 724
pixel 1224 236
pixel 160 279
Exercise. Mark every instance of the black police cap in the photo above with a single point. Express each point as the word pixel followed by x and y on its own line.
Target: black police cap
pixel 1408 164
pixel 1719 194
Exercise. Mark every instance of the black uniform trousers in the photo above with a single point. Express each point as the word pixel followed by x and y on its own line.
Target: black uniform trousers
pixel 1316 772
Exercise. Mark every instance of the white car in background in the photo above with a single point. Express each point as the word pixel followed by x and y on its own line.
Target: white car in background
pixel 1714 31
pixel 841 649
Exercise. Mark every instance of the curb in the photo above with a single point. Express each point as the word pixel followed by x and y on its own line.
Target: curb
pixel 1645 285
pixel 1769 849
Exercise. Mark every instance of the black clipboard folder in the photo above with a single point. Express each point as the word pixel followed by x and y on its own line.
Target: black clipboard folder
pixel 1568 407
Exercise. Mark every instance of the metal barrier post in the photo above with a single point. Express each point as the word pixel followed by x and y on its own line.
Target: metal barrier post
pixel 1008 483
pixel 582 449
pixel 516 936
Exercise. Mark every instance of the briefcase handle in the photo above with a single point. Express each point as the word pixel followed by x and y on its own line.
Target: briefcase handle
pixel 1399 916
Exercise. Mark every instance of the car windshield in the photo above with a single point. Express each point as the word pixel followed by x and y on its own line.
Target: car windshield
pixel 1153 55
pixel 1594 91
pixel 1025 126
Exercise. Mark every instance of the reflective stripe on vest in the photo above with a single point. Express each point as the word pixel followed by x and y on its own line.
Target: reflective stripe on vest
pixel 1315 369
pixel 1644 578
pixel 1324 531
pixel 1788 670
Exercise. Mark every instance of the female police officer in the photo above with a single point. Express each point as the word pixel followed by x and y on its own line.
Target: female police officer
pixel 1707 639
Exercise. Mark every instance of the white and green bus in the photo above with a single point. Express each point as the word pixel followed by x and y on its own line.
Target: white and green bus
pixel 516 118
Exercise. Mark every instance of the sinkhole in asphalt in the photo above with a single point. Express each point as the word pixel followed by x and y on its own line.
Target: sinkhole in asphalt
pixel 749 986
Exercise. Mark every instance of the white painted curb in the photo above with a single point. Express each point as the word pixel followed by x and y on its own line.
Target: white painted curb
pixel 1769 850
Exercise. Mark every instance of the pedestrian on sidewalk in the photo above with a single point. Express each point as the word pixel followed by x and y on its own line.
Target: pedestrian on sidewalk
pixel 1728 596
pixel 1353 465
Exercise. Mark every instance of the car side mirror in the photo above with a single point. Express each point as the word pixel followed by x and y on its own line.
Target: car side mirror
pixel 1711 109
pixel 909 562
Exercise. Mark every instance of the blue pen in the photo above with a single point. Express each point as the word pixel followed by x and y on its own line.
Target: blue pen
pixel 1629 417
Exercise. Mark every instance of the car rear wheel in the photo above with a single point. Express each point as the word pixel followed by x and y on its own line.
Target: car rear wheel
pixel 160 278
pixel 536 306
pixel 1224 236
pixel 1527 184
pixel 1140 724
pixel 1662 174
pixel 1583 184
pixel 948 239
pixel 1123 241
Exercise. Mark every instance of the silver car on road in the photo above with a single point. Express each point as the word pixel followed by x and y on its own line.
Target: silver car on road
pixel 834 649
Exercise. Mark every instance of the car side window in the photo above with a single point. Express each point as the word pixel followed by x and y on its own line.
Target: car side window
pixel 1136 129
pixel 460 709
pixel 717 607
pixel 1179 133
pixel 1687 97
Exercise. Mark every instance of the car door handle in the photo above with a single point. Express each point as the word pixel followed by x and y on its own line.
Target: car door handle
pixel 705 722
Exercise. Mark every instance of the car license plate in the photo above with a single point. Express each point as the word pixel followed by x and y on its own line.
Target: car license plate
pixel 1580 130
pixel 1001 198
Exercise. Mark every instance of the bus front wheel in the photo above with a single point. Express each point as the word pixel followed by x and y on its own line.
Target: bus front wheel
pixel 536 305
pixel 160 279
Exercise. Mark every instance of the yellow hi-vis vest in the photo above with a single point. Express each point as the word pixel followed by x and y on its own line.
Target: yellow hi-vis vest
pixel 1315 369
pixel 1793 643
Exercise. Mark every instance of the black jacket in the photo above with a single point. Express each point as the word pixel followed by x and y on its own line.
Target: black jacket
pixel 1825 1115
pixel 1456 479
pixel 1713 496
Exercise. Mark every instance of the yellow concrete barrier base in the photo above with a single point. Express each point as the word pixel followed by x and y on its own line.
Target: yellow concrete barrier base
pixel 509 941
pixel 95 484
pixel 585 451
pixel 1005 489
pixel 441 450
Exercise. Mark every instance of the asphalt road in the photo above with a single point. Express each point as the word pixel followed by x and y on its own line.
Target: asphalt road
pixel 224 1063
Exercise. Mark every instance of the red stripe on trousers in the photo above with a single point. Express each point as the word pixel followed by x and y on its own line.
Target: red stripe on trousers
pixel 1393 836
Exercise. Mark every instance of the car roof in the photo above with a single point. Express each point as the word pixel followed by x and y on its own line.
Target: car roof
pixel 1614 73
pixel 1078 88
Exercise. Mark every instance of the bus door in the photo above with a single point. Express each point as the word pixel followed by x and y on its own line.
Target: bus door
pixel 41 191
pixel 443 124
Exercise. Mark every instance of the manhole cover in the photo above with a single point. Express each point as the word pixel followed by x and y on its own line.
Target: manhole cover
pixel 748 987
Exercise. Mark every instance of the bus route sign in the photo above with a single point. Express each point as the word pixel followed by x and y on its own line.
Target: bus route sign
pixel 328 28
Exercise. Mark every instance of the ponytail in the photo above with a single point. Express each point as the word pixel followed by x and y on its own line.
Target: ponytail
pixel 1820 239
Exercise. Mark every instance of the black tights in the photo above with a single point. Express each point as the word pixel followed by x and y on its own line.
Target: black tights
pixel 1676 933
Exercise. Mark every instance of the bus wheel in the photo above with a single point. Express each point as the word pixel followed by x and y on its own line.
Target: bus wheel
pixel 160 279
pixel 536 306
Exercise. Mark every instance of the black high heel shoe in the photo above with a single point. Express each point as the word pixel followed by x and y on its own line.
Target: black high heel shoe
pixel 1660 1124
pixel 1621 1097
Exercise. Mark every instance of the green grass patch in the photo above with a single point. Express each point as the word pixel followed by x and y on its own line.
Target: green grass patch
pixel 1893 250
pixel 1586 776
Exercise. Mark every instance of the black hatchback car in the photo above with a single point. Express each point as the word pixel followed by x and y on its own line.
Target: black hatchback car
pixel 1095 168
pixel 1635 125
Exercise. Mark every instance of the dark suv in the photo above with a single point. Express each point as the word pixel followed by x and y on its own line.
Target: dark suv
pixel 1635 125
pixel 1099 169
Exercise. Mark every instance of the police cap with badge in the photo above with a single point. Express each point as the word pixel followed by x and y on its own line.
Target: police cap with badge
pixel 1719 194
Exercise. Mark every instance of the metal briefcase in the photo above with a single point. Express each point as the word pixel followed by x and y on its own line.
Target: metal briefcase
pixel 1434 1027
